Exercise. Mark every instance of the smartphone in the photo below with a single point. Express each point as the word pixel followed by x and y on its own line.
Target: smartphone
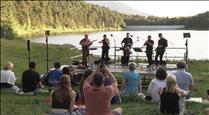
pixel 208 91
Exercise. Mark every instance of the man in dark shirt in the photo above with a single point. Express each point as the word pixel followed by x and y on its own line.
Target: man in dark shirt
pixel 149 47
pixel 105 48
pixel 127 41
pixel 162 44
pixel 85 43
pixel 31 79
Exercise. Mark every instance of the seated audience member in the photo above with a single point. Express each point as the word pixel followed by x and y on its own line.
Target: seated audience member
pixel 75 78
pixel 53 75
pixel 156 84
pixel 62 99
pixel 85 75
pixel 170 95
pixel 207 109
pixel 65 71
pixel 185 81
pixel 97 96
pixel 8 77
pixel 31 80
pixel 131 82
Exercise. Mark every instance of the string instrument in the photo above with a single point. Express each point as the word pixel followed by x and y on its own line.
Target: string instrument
pixel 88 43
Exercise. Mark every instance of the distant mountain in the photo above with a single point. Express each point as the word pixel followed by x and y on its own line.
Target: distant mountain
pixel 119 7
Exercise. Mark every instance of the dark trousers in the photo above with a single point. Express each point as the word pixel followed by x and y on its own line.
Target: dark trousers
pixel 149 58
pixel 160 52
pixel 105 53
pixel 125 60
pixel 85 57
pixel 5 85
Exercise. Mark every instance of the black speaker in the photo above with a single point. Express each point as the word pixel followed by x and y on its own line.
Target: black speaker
pixel 28 45
pixel 186 35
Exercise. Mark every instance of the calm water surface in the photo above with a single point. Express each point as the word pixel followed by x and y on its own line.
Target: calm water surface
pixel 198 44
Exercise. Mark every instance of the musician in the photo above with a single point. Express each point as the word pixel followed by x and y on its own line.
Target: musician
pixel 105 47
pixel 149 47
pixel 126 45
pixel 85 43
pixel 162 44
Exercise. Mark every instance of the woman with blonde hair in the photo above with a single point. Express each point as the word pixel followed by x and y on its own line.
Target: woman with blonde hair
pixel 8 77
pixel 63 98
pixel 169 96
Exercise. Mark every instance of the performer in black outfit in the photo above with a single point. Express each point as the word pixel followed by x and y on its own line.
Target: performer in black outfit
pixel 149 47
pixel 127 41
pixel 105 48
pixel 162 44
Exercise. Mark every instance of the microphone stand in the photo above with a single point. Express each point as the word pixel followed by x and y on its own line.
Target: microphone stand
pixel 114 47
pixel 47 53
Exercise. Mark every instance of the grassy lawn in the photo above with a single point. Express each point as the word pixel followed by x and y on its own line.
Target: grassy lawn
pixel 16 52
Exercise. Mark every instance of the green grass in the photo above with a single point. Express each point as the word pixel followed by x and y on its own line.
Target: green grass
pixel 16 52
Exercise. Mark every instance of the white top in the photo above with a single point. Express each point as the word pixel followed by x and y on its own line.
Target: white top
pixel 7 76
pixel 154 87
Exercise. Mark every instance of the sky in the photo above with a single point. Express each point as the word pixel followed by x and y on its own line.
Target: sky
pixel 169 8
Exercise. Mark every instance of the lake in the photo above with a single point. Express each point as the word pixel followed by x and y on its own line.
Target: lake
pixel 198 44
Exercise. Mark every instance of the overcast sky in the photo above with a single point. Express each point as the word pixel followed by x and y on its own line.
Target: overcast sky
pixel 169 8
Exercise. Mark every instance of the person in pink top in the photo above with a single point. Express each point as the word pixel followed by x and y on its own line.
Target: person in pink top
pixel 97 96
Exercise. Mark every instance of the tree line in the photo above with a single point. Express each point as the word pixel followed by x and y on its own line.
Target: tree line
pixel 200 21
pixel 19 17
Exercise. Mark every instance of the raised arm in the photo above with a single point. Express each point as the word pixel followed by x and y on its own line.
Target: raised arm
pixel 111 77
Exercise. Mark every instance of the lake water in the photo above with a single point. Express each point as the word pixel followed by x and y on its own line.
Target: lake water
pixel 198 44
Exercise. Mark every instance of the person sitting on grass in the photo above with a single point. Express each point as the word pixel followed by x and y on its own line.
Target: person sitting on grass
pixel 131 83
pixel 97 96
pixel 53 75
pixel 170 95
pixel 31 80
pixel 74 77
pixel 85 75
pixel 157 83
pixel 207 109
pixel 8 77
pixel 62 99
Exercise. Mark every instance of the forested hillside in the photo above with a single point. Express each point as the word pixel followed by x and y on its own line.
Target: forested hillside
pixel 29 17
pixel 33 16
pixel 198 21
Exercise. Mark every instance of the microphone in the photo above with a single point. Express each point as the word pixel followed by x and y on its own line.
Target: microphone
pixel 131 35
pixel 111 35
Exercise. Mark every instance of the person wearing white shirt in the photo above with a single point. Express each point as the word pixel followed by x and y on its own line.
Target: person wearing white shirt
pixel 8 77
pixel 156 84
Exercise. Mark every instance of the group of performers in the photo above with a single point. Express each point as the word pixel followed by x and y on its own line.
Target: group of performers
pixel 126 44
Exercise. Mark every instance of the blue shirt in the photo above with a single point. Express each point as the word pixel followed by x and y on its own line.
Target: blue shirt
pixel 131 82
pixel 183 79
pixel 53 77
